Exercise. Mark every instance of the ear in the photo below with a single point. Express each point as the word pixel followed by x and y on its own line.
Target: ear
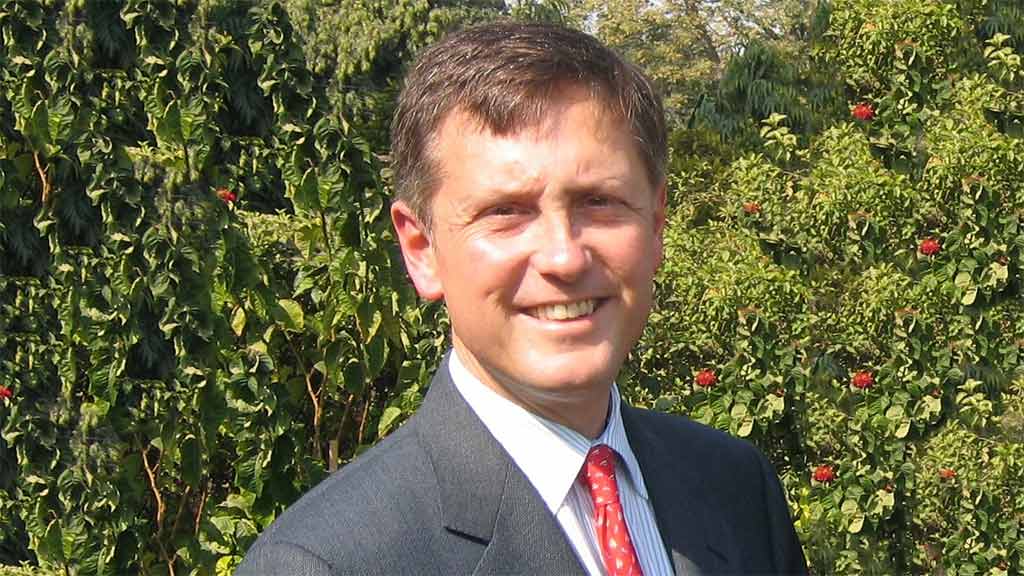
pixel 417 250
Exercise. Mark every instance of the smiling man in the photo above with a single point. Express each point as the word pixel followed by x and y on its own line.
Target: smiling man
pixel 529 164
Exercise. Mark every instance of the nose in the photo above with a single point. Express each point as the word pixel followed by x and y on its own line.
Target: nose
pixel 561 252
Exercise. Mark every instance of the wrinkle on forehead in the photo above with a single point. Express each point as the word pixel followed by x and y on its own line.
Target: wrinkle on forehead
pixel 543 120
pixel 460 123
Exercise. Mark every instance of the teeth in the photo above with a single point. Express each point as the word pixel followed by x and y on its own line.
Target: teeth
pixel 565 311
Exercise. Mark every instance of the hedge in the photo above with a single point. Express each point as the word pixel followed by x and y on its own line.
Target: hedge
pixel 203 313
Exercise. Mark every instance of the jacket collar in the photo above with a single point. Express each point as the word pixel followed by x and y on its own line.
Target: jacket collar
pixel 483 495
pixel 486 498
pixel 694 535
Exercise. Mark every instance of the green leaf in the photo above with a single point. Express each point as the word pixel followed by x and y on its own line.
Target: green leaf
pixel 903 429
pixel 168 127
pixel 51 547
pixel 191 461
pixel 238 321
pixel 854 516
pixel 39 131
pixel 746 427
pixel 306 196
pixel 369 318
pixel 355 380
pixel 969 296
pixel 962 280
pixel 387 419
pixel 289 314
pixel 376 354
pixel 1000 272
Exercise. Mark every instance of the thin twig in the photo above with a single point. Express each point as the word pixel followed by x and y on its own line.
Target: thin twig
pixel 202 504
pixel 43 178
pixel 344 417
pixel 362 421
pixel 181 510
pixel 151 473
pixel 313 396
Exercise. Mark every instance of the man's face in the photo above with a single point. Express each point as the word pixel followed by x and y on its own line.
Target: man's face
pixel 544 246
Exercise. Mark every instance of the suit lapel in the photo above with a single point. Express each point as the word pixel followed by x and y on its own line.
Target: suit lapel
pixel 483 495
pixel 693 535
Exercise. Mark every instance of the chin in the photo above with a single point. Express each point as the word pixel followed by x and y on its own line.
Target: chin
pixel 572 373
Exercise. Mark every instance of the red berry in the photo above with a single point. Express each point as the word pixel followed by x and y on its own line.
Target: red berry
pixel 824 473
pixel 947 473
pixel 929 247
pixel 706 379
pixel 226 195
pixel 863 112
pixel 751 207
pixel 5 392
pixel 863 380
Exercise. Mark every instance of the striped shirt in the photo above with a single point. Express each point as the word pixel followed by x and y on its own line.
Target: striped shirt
pixel 551 456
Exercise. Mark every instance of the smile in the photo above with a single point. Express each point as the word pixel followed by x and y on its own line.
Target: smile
pixel 568 311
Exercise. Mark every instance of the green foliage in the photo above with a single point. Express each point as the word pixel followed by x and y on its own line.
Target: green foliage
pixel 203 311
pixel 684 44
pixel 904 43
pixel 856 291
pixel 768 79
pixel 356 49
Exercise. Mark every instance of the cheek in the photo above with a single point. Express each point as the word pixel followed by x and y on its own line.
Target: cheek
pixel 635 258
pixel 483 267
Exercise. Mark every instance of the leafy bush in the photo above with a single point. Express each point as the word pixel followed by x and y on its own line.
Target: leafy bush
pixel 203 311
pixel 853 305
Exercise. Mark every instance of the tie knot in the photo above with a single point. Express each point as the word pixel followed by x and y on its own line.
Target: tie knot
pixel 601 458
pixel 600 473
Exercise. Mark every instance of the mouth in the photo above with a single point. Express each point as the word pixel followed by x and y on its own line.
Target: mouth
pixel 565 311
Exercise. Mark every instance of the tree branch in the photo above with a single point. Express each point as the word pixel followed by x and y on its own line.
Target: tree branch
pixel 44 180
pixel 160 509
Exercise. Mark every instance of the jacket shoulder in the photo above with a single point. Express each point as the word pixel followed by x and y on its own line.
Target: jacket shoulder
pixel 733 479
pixel 693 437
pixel 365 517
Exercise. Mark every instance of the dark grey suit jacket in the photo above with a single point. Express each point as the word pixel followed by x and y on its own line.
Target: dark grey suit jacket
pixel 441 496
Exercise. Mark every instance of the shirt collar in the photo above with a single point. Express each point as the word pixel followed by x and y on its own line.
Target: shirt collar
pixel 549 454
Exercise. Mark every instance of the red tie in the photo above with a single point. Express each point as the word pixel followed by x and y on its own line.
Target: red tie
pixel 619 556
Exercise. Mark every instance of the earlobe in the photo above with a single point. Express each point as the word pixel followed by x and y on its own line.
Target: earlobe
pixel 417 251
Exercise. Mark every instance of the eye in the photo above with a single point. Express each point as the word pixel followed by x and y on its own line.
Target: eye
pixel 505 210
pixel 504 213
pixel 600 201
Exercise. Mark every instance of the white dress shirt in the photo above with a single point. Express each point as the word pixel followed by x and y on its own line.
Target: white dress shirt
pixel 551 456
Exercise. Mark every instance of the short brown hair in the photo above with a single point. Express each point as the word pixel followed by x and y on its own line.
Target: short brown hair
pixel 505 75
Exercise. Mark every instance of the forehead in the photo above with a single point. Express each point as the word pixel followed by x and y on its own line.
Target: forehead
pixel 533 111
pixel 569 125
pixel 591 117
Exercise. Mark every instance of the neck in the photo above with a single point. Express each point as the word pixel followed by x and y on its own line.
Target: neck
pixel 584 410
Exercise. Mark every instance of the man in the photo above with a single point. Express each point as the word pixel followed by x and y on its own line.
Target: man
pixel 529 164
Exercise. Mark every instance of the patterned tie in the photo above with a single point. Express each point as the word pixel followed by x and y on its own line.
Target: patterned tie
pixel 620 558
